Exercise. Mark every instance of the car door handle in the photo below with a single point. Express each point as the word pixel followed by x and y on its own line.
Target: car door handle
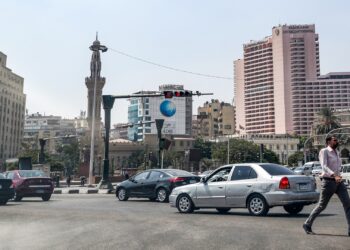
pixel 220 187
pixel 249 185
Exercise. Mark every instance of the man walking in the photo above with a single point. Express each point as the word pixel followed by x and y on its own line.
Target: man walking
pixel 331 183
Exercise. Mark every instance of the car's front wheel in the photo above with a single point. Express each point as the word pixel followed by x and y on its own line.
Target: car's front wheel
pixel 257 205
pixel 184 204
pixel 46 197
pixel 121 194
pixel 293 208
pixel 162 195
pixel 3 202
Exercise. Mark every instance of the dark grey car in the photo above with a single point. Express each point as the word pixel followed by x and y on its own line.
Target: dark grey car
pixel 257 186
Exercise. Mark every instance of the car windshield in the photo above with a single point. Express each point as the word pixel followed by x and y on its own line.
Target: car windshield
pixel 274 169
pixel 308 165
pixel 2 176
pixel 176 172
pixel 31 173
pixel 318 167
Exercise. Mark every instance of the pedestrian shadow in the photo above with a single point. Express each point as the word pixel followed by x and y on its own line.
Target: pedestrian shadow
pixel 336 235
pixel 269 215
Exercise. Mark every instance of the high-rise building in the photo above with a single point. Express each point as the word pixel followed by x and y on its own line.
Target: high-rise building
pixel 215 119
pixel 12 108
pixel 278 83
pixel 176 112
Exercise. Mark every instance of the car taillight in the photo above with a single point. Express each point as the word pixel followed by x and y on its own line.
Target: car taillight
pixel 176 179
pixel 284 183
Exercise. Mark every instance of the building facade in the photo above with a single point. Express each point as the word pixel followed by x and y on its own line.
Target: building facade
pixel 12 110
pixel 176 112
pixel 268 79
pixel 214 119
pixel 39 126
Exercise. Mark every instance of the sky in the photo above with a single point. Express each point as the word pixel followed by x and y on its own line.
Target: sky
pixel 47 43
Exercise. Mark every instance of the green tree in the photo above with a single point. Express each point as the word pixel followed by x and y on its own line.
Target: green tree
pixel 242 151
pixel 295 158
pixel 326 121
pixel 204 146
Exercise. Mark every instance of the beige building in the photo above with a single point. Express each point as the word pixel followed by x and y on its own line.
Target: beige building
pixel 12 108
pixel 214 119
pixel 283 145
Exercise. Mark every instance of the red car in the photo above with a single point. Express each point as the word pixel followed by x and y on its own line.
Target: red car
pixel 30 183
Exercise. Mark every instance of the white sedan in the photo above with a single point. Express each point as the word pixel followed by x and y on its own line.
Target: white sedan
pixel 256 186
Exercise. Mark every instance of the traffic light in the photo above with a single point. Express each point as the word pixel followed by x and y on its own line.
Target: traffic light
pixel 177 93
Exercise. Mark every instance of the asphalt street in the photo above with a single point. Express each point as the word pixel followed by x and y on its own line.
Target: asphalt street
pixel 100 221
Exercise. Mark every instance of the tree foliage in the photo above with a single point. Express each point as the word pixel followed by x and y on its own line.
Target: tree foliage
pixel 204 146
pixel 242 151
pixel 295 158
pixel 326 121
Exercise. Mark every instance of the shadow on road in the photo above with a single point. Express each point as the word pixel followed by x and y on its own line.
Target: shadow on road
pixel 277 215
pixel 336 235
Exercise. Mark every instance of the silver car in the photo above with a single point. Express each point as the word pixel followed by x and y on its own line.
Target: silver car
pixel 257 186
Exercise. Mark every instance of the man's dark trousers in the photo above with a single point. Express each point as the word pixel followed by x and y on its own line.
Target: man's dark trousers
pixel 329 187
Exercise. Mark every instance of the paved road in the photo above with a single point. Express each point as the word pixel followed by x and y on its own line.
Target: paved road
pixel 99 221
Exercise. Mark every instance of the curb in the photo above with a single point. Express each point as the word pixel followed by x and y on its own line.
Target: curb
pixel 83 191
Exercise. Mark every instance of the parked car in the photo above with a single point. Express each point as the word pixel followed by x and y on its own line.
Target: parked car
pixel 256 186
pixel 30 183
pixel 346 173
pixel 316 171
pixel 6 190
pixel 155 184
pixel 307 168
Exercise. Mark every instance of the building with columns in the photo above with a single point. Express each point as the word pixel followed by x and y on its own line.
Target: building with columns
pixel 12 109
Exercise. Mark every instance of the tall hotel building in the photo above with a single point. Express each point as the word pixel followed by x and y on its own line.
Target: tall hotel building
pixel 278 87
pixel 12 108
pixel 176 112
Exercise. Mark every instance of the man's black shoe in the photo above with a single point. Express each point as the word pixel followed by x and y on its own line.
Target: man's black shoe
pixel 307 229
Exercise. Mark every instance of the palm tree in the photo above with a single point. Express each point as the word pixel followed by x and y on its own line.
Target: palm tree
pixel 326 121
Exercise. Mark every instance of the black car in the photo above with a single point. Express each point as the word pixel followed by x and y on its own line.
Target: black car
pixel 155 184
pixel 6 190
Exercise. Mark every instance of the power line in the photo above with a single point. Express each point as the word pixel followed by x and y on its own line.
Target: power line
pixel 167 67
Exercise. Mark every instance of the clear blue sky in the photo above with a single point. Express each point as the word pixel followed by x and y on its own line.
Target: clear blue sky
pixel 47 43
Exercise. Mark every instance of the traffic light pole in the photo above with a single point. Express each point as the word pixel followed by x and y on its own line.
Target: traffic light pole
pixel 108 102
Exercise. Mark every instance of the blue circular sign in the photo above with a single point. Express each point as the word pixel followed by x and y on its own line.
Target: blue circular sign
pixel 167 108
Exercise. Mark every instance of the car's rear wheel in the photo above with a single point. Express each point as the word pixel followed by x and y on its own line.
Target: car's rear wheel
pixel 17 197
pixel 162 195
pixel 46 197
pixel 184 204
pixel 257 205
pixel 121 194
pixel 223 210
pixel 3 202
pixel 293 208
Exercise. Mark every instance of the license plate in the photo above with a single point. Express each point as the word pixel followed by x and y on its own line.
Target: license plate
pixel 40 191
pixel 303 186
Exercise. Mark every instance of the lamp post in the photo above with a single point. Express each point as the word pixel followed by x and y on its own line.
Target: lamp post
pixel 159 125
